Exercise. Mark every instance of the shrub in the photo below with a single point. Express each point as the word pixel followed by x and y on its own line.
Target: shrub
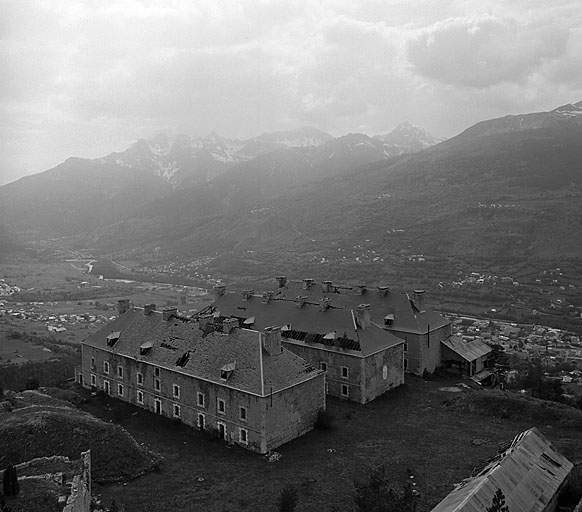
pixel 10 485
pixel 288 499
pixel 324 420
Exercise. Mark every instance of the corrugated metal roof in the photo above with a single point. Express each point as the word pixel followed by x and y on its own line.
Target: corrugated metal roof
pixel 528 473
pixel 468 350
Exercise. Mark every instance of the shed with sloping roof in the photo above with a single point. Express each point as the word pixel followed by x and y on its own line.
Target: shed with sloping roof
pixel 470 356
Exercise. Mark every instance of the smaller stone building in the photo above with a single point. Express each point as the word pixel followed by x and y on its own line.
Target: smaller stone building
pixel 240 384
pixel 530 473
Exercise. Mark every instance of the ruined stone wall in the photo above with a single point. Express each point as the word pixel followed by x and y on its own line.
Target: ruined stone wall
pixel 292 412
pixel 80 498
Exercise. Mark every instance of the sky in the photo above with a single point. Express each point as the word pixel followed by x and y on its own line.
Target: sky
pixel 86 78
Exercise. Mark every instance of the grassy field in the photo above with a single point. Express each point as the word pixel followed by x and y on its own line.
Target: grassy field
pixel 20 351
pixel 408 430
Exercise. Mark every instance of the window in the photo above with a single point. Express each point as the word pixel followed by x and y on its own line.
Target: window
pixel 106 387
pixel 323 366
pixel 221 406
pixel 201 421
pixel 158 406
pixel 405 347
pixel 139 379
pixel 405 364
pixel 93 380
pixel 243 414
pixel 156 372
pixel 200 399
pixel 221 429
pixel 157 384
pixel 176 391
pixel 176 410
pixel 120 372
pixel 140 397
pixel 345 390
pixel 106 367
pixel 345 372
pixel 92 363
pixel 243 435
pixel 120 389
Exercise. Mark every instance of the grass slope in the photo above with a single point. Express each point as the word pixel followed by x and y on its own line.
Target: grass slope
pixel 41 426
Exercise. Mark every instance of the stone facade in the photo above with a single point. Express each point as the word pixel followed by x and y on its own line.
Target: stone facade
pixel 277 390
pixel 423 350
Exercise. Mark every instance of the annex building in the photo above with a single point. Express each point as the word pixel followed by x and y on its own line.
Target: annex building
pixel 530 473
pixel 239 383
pixel 401 316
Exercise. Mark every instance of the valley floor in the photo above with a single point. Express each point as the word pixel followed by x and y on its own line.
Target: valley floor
pixel 408 430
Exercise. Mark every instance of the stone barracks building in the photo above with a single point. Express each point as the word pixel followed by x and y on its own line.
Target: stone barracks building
pixel 238 383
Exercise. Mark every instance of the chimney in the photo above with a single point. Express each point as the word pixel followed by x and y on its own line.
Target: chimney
pixel 324 304
pixel 363 316
pixel 418 296
pixel 168 313
pixel 219 291
pixel 268 297
pixel 229 324
pixel 281 281
pixel 383 290
pixel 361 289
pixel 247 294
pixel 148 308
pixel 300 300
pixel 272 341
pixel 307 284
pixel 327 286
pixel 122 306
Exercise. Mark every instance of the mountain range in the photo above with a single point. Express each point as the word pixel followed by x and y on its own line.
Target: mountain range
pixel 507 188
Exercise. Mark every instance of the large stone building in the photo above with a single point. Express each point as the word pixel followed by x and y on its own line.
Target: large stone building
pixel 362 360
pixel 238 383
pixel 399 314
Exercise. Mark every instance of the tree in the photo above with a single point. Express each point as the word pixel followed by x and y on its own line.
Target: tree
pixel 31 383
pixel 288 499
pixel 498 503
pixel 10 485
pixel 376 495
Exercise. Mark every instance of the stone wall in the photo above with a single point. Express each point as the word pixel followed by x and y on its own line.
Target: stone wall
pixel 382 372
pixel 80 498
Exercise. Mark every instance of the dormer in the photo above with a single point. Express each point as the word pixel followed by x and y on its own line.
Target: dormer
pixel 389 319
pixel 383 290
pixel 300 300
pixel 227 370
pixel 324 304
pixel 144 348
pixel 183 359
pixel 112 338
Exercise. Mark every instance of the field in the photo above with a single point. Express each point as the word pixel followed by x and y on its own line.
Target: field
pixel 409 430
pixel 20 351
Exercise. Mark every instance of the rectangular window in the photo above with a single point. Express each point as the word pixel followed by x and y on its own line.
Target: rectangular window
pixel 345 372
pixel 405 347
pixel 345 390
pixel 106 367
pixel 201 420
pixel 139 379
pixel 323 366
pixel 221 406
pixel 158 406
pixel 405 364
pixel 156 372
pixel 243 435
pixel 93 380
pixel 140 397
pixel 243 414
pixel 92 363
pixel 157 384
pixel 200 400
pixel 106 387
pixel 120 372
pixel 120 389
pixel 176 391
pixel 176 410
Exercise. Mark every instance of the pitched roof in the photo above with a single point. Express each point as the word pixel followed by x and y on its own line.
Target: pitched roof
pixel 307 319
pixel 468 350
pixel 408 317
pixel 179 345
pixel 528 473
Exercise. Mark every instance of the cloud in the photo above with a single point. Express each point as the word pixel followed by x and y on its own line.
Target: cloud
pixel 483 51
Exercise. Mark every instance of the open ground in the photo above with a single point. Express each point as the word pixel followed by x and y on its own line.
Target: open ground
pixel 408 430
